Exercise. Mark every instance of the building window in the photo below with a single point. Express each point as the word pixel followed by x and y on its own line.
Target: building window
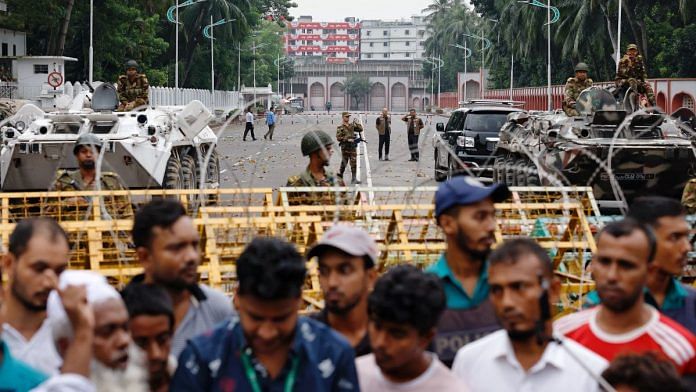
pixel 385 33
pixel 14 50
pixel 407 32
pixel 5 49
pixel 368 33
pixel 408 54
pixel 372 44
pixel 688 102
pixel 408 43
pixel 386 44
pixel 41 68
pixel 421 43
pixel 386 55
pixel 369 56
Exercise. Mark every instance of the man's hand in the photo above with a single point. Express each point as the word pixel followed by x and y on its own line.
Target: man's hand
pixel 80 314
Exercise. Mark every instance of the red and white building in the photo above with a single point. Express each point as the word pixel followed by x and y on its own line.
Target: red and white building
pixel 338 42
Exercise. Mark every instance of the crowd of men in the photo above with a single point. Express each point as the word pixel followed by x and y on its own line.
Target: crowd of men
pixel 478 319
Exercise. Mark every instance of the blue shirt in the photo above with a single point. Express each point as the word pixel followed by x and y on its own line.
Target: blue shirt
pixel 270 118
pixel 457 297
pixel 16 376
pixel 212 362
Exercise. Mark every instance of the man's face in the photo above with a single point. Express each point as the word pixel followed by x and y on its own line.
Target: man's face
pixel 346 118
pixel 111 337
pixel 515 289
pixel 325 154
pixel 620 267
pixel 473 229
pixel 673 245
pixel 412 113
pixel 269 325
pixel 632 52
pixel 344 280
pixel 174 255
pixel 153 334
pixel 35 273
pixel 131 72
pixel 385 112
pixel 396 345
pixel 581 75
pixel 86 156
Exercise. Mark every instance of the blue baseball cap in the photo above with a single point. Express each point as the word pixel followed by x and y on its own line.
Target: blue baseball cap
pixel 464 190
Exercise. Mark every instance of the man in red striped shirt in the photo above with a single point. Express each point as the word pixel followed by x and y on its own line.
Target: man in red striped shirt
pixel 624 323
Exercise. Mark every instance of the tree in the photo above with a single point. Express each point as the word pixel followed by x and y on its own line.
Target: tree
pixel 357 86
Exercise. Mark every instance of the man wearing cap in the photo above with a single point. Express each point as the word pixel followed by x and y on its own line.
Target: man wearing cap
pixel 345 134
pixel 573 88
pixel 632 73
pixel 346 256
pixel 133 88
pixel 413 127
pixel 464 211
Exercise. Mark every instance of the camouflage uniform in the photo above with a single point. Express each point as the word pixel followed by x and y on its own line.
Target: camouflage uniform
pixel 573 88
pixel 133 93
pixel 632 73
pixel 689 196
pixel 306 179
pixel 345 134
pixel 117 207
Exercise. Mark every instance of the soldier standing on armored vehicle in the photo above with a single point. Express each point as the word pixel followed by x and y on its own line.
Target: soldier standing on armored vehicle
pixel 574 86
pixel 345 134
pixel 632 73
pixel 132 88
pixel 318 145
pixel 86 151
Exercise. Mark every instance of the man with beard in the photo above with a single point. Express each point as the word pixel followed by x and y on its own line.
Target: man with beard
pixel 117 364
pixel 38 253
pixel 623 322
pixel 525 356
pixel 346 256
pixel 667 218
pixel 86 150
pixel 404 308
pixel 168 247
pixel 152 326
pixel 464 211
pixel 268 347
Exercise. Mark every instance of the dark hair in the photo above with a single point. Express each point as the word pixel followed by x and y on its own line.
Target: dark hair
pixel 648 210
pixel 271 269
pixel 452 212
pixel 512 250
pixel 626 227
pixel 406 295
pixel 644 373
pixel 27 228
pixel 148 300
pixel 157 213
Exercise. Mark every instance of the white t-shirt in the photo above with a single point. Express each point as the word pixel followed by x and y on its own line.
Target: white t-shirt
pixel 490 364
pixel 436 378
pixel 39 352
pixel 249 117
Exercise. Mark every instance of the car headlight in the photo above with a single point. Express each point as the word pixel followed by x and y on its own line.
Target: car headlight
pixel 20 126
pixel 466 142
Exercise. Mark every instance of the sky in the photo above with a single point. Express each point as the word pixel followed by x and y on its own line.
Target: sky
pixel 337 10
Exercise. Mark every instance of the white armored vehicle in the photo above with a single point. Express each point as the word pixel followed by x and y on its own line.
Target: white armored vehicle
pixel 164 147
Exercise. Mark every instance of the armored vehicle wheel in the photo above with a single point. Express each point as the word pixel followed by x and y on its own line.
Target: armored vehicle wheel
pixel 498 169
pixel 521 173
pixel 212 173
pixel 532 175
pixel 510 171
pixel 173 178
pixel 189 172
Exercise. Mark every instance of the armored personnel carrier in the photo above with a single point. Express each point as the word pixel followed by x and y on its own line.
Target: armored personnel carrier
pixel 167 147
pixel 620 156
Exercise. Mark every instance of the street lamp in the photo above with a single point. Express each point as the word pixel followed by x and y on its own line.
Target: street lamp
pixel 485 44
pixel 173 17
pixel 618 40
pixel 549 22
pixel 209 33
pixel 437 64
pixel 467 54
pixel 277 64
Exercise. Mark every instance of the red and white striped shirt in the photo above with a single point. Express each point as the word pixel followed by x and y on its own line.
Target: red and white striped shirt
pixel 661 335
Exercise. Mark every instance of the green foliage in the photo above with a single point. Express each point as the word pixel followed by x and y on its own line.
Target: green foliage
pixel 357 86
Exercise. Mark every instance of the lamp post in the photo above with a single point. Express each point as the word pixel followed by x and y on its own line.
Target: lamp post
pixel 173 17
pixel 437 64
pixel 277 64
pixel 618 39
pixel 91 35
pixel 485 44
pixel 467 54
pixel 549 22
pixel 209 32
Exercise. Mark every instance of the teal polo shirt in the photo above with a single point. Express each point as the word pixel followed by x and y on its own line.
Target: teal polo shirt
pixel 16 376
pixel 675 299
pixel 457 297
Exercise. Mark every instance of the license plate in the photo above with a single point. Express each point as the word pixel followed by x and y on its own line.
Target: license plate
pixel 629 176
pixel 461 153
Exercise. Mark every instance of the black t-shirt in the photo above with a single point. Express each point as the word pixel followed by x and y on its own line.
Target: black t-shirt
pixel 363 347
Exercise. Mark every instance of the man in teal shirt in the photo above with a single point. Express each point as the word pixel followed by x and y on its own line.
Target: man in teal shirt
pixel 464 211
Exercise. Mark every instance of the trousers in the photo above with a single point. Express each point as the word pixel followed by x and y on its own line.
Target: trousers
pixel 249 127
pixel 413 145
pixel 346 156
pixel 384 141
pixel 269 134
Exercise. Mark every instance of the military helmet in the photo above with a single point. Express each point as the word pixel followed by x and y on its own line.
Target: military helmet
pixel 582 67
pixel 87 139
pixel 132 64
pixel 518 117
pixel 632 46
pixel 315 140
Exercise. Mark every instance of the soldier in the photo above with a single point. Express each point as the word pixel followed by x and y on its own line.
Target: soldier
pixel 573 88
pixel 413 127
pixel 86 151
pixel 318 145
pixel 631 72
pixel 345 134
pixel 132 88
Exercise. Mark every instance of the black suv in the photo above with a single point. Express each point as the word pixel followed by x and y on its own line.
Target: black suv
pixel 472 134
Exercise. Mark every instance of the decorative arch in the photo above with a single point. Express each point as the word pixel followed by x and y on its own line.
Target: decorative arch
pixel 398 97
pixel 316 96
pixel 662 101
pixel 416 104
pixel 378 96
pixel 682 100
pixel 473 90
pixel 337 96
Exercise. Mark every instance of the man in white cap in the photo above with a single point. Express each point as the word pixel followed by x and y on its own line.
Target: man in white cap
pixel 117 365
pixel 346 256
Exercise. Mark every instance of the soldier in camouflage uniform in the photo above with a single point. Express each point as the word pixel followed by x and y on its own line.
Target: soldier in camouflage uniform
pixel 689 196
pixel 345 134
pixel 318 145
pixel 86 151
pixel 573 88
pixel 132 88
pixel 631 72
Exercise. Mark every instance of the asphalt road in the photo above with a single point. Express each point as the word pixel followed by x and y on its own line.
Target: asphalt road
pixel 265 163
